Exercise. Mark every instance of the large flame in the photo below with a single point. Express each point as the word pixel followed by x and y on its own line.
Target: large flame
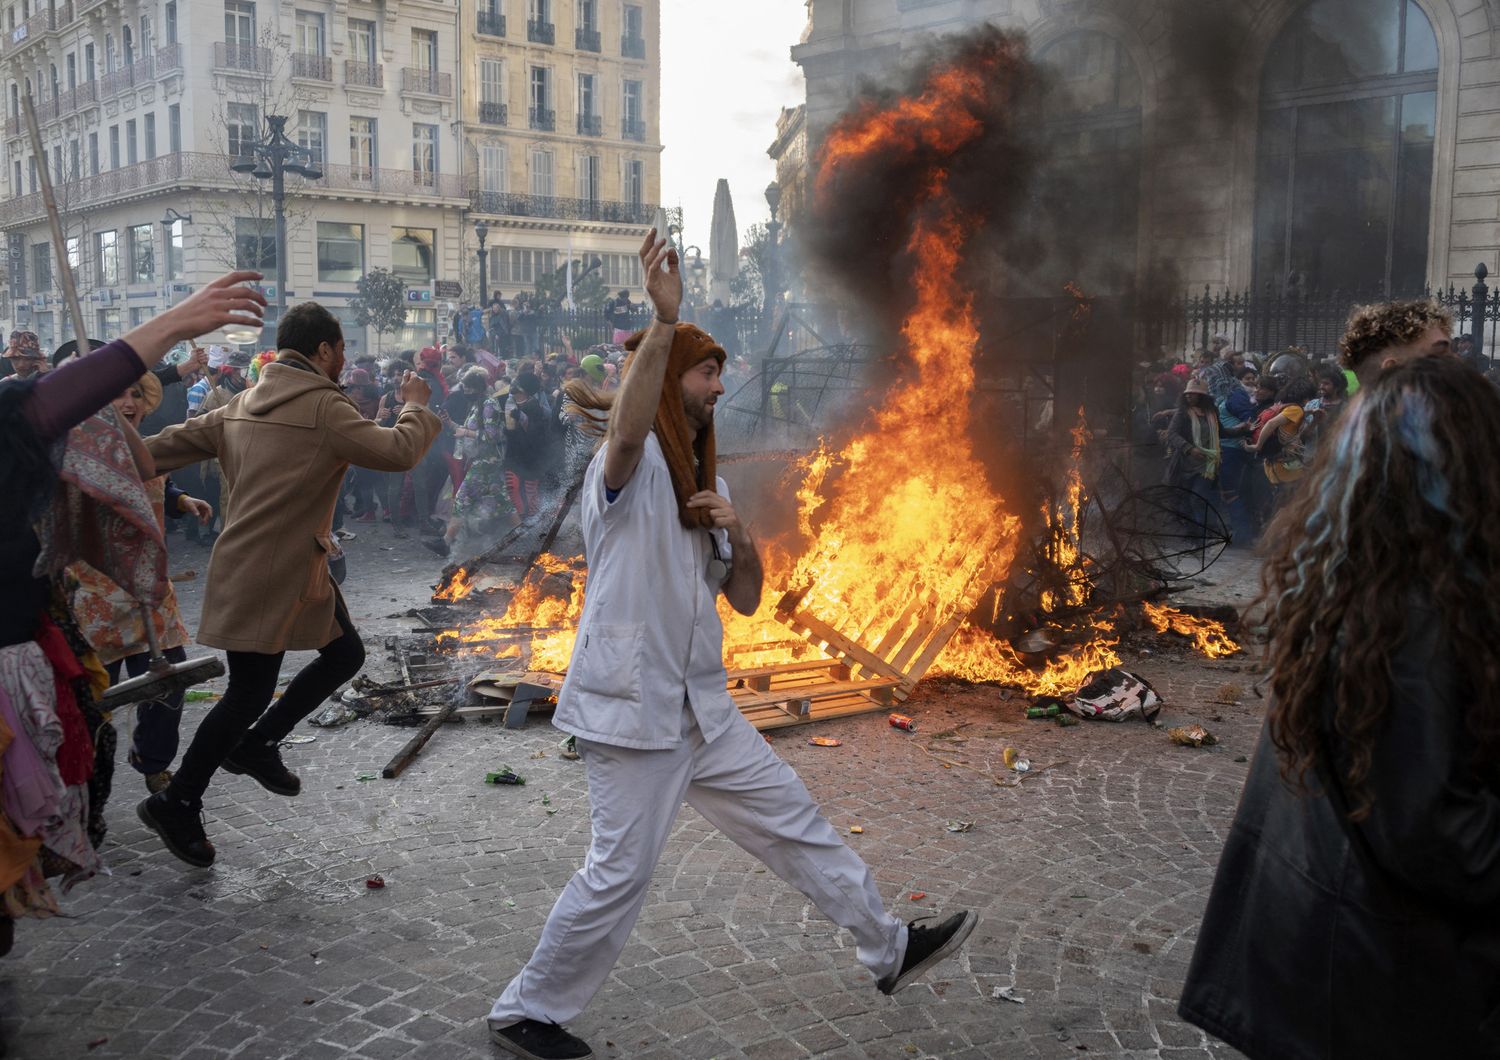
pixel 899 531
pixel 1207 636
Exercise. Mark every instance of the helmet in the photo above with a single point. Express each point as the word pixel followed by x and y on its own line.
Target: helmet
pixel 593 367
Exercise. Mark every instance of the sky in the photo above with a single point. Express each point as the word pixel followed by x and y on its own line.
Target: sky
pixel 726 74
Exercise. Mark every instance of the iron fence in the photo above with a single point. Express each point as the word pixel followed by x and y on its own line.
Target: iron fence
pixel 738 329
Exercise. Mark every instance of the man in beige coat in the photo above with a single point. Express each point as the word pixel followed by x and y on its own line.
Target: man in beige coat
pixel 284 447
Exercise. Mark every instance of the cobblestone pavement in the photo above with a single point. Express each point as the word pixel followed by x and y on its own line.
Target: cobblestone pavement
pixel 1089 877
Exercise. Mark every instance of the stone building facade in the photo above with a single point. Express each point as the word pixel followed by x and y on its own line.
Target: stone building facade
pixel 562 139
pixel 1361 152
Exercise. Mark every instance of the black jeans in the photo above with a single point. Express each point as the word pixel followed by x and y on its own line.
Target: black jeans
pixel 252 684
pixel 153 744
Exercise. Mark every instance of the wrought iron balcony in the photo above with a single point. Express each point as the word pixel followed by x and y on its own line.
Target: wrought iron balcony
pixel 633 129
pixel 590 125
pixel 363 75
pixel 249 58
pixel 313 67
pixel 633 47
pixel 490 23
pixel 588 40
pixel 494 113
pixel 556 207
pixel 427 82
pixel 541 32
pixel 168 57
pixel 543 119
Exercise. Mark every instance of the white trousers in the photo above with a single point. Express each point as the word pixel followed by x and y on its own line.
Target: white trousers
pixel 742 788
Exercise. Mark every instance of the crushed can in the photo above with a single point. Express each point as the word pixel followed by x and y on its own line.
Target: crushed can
pixel 503 776
pixel 1043 712
pixel 902 722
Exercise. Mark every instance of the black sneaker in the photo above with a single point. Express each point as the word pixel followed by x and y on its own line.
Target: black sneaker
pixel 926 946
pixel 540 1041
pixel 262 762
pixel 180 826
pixel 436 544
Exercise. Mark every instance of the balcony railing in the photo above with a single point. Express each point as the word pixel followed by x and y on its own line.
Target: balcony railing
pixel 541 32
pixel 494 113
pixel 633 47
pixel 542 119
pixel 194 169
pixel 633 129
pixel 364 75
pixel 588 40
pixel 490 23
pixel 29 32
pixel 550 206
pixel 249 58
pixel 427 82
pixel 590 125
pixel 168 57
pixel 312 67
pixel 140 72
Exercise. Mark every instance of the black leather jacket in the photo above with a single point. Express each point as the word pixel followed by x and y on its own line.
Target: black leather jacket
pixel 1329 939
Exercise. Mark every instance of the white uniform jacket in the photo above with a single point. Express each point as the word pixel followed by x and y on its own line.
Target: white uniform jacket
pixel 650 633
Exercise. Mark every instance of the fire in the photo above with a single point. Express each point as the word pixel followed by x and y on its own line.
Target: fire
pixel 1207 636
pixel 458 587
pixel 899 531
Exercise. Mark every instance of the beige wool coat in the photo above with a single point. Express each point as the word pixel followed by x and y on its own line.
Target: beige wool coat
pixel 284 446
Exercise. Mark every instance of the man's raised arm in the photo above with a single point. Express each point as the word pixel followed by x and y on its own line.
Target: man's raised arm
pixel 640 393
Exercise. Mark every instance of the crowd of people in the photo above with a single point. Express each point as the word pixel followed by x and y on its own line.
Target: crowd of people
pixel 1241 430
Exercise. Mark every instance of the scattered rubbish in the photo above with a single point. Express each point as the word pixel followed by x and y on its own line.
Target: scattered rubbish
pixel 1228 694
pixel 1067 721
pixel 540 754
pixel 375 883
pixel 1241 758
pixel 1051 708
pixel 505 775
pixel 960 826
pixel 1015 760
pixel 183 576
pixel 570 749
pixel 825 741
pixel 335 714
pixel 298 738
pixel 200 695
pixel 1192 736
pixel 1007 993
pixel 510 903
pixel 855 829
pixel 546 800
pixel 97 1042
pixel 367 776
pixel 902 722
pixel 917 896
pixel 1115 695
pixel 309 1001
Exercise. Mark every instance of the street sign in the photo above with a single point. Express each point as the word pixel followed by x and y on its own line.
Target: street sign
pixel 448 289
pixel 418 295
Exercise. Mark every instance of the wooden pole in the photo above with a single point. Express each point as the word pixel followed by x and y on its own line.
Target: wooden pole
pixel 408 754
pixel 59 245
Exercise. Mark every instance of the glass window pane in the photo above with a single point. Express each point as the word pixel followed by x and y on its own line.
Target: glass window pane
pixel 1414 194
pixel 1331 41
pixel 1421 44
pixel 1341 198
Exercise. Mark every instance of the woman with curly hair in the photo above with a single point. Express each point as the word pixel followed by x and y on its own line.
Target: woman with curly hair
pixel 1354 911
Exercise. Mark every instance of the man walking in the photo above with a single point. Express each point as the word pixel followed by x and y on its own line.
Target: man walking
pixel 284 447
pixel 645 697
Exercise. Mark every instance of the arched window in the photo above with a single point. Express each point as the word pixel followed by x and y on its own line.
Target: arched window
pixel 1344 174
pixel 1093 139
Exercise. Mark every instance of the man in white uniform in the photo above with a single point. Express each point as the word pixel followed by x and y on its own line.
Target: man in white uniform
pixel 646 698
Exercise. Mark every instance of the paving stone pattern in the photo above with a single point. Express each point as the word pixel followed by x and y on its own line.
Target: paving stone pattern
pixel 1089 877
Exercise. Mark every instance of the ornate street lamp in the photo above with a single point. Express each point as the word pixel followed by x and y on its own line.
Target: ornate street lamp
pixel 482 229
pixel 271 159
pixel 770 269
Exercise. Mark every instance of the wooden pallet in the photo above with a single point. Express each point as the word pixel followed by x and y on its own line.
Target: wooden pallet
pixel 770 697
pixel 908 648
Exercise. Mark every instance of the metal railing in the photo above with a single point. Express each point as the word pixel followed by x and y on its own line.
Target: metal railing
pixel 541 32
pixel 556 207
pixel 168 57
pixel 633 129
pixel 543 119
pixel 364 75
pixel 633 47
pixel 198 169
pixel 590 125
pixel 250 58
pixel 312 67
pixel 427 82
pixel 587 40
pixel 490 23
pixel 140 72
pixel 494 113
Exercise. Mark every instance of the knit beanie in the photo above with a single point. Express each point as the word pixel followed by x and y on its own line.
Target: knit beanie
pixel 690 454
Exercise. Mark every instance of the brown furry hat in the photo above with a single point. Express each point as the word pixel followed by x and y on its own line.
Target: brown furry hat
pixel 690 455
